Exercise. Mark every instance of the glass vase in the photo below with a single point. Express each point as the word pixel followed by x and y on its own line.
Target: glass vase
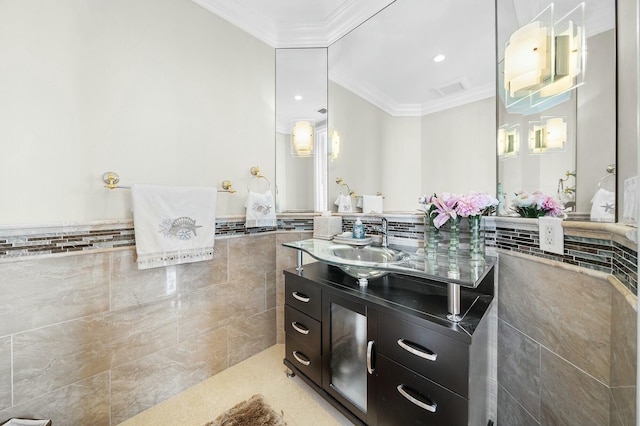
pixel 453 270
pixel 476 246
pixel 431 239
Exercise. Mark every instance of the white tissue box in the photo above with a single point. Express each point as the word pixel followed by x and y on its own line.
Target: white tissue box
pixel 325 227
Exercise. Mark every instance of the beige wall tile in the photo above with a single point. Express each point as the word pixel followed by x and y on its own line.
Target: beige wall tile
pixel 203 274
pixel 51 357
pixel 36 293
pixel 568 396
pixel 249 336
pixel 144 383
pixel 85 402
pixel 211 307
pixel 251 254
pixel 623 406
pixel 567 312
pixel 624 346
pixel 5 372
pixel 511 413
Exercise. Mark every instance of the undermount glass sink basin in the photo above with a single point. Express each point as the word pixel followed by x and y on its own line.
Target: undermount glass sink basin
pixel 363 262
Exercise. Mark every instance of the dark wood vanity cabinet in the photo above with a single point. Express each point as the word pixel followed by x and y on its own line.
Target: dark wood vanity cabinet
pixel 386 354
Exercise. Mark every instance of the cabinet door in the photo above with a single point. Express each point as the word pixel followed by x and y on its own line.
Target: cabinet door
pixel 344 342
pixel 406 398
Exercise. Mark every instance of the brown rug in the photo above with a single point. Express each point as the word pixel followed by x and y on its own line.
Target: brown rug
pixel 253 412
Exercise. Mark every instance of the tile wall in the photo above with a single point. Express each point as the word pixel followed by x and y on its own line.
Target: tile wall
pixel 86 338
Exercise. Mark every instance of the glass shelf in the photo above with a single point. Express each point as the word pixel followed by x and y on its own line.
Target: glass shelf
pixel 412 262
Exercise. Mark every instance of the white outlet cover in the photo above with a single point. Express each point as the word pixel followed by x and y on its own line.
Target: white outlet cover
pixel 551 234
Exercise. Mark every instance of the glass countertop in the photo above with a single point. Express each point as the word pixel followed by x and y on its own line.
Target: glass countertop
pixel 409 261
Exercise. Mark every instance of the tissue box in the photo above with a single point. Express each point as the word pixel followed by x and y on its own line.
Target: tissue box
pixel 325 227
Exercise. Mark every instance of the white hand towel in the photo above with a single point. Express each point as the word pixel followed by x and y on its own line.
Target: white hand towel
pixel 344 203
pixel 371 204
pixel 603 206
pixel 630 201
pixel 173 224
pixel 260 210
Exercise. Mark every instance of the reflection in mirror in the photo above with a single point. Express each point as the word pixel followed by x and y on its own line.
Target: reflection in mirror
pixel 561 105
pixel 301 129
pixel 408 124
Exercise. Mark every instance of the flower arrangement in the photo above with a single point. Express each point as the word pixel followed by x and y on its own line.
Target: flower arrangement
pixel 536 204
pixel 447 206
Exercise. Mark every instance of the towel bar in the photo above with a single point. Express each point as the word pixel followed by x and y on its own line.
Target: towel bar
pixel 255 172
pixel 111 180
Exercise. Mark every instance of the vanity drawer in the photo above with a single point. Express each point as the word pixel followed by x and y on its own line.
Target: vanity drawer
pixel 406 398
pixel 303 295
pixel 302 328
pixel 304 358
pixel 431 354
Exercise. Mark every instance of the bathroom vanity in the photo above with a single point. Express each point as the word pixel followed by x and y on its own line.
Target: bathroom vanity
pixel 386 353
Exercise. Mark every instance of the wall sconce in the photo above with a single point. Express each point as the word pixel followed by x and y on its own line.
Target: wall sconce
pixel 545 58
pixel 334 148
pixel 302 139
pixel 550 134
pixel 508 141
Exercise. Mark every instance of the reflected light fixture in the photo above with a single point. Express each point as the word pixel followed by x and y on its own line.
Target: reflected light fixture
pixel 545 57
pixel 550 134
pixel 302 139
pixel 334 150
pixel 508 141
pixel 297 97
pixel 438 58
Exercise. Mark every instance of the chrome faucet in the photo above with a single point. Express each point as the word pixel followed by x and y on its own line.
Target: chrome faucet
pixel 384 230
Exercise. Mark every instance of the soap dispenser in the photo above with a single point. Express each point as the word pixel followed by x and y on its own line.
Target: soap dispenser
pixel 358 229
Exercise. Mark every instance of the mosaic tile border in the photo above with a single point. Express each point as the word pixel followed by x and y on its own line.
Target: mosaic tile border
pixel 601 254
pixel 57 240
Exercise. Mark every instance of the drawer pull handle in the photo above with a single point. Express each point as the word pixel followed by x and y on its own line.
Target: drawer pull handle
pixel 429 406
pixel 301 297
pixel 300 328
pixel 370 367
pixel 300 357
pixel 430 356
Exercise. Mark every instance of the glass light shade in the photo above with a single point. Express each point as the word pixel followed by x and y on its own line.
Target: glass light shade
pixel 547 135
pixel 527 62
pixel 508 141
pixel 302 138
pixel 335 145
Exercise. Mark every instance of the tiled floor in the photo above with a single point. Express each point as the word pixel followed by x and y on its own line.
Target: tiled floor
pixel 263 373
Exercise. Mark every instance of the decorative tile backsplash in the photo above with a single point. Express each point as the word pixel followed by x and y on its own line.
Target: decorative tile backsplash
pixel 602 254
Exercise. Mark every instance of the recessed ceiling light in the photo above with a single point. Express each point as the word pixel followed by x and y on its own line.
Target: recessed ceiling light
pixel 438 58
pixel 297 97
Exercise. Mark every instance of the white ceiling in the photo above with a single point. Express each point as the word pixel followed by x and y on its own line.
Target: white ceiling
pixel 388 60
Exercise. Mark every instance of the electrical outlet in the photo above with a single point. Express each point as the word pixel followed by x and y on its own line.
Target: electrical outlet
pixel 551 234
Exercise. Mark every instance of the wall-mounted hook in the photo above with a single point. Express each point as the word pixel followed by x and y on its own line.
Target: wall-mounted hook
pixel 111 180
pixel 226 185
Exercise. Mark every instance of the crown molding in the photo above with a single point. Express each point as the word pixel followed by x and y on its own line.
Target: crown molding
pixel 296 33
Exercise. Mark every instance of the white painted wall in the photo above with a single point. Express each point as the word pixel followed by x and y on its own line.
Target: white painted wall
pixel 161 92
pixel 458 149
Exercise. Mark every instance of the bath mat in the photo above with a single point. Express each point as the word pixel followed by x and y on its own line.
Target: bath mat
pixel 253 412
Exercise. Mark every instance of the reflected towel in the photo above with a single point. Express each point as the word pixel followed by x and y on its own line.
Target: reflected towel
pixel 344 203
pixel 603 206
pixel 630 201
pixel 173 224
pixel 260 210
pixel 371 204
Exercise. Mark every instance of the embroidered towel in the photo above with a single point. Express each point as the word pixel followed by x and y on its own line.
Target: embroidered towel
pixel 260 210
pixel 344 203
pixel 603 206
pixel 173 224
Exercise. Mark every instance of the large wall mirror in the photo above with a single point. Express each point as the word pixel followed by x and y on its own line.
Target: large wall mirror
pixel 557 103
pixel 301 129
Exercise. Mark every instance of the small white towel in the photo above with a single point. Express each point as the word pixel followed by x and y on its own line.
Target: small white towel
pixel 630 201
pixel 260 210
pixel 603 206
pixel 370 204
pixel 344 203
pixel 173 224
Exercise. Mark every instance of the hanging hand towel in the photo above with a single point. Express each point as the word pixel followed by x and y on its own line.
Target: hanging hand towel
pixel 604 206
pixel 173 224
pixel 344 203
pixel 260 210
pixel 371 204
